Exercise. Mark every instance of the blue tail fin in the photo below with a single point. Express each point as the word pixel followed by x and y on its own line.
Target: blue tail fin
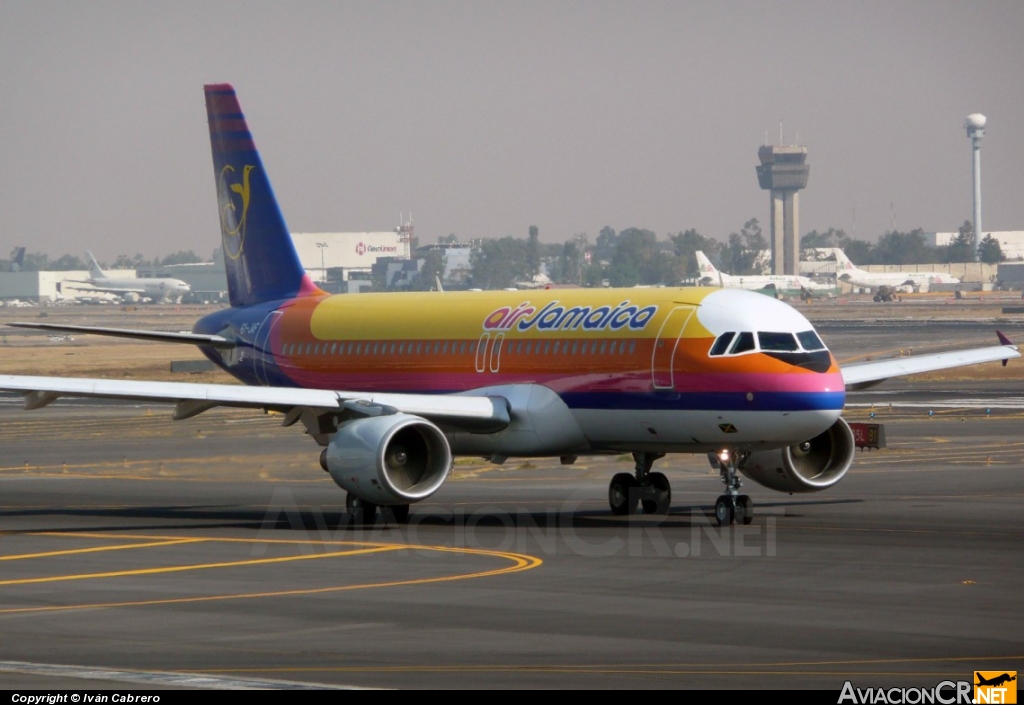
pixel 259 256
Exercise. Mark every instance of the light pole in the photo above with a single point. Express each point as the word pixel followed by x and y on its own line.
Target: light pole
pixel 975 125
pixel 323 267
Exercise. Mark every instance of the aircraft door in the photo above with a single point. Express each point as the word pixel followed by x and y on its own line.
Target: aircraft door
pixel 262 354
pixel 481 352
pixel 666 344
pixel 499 338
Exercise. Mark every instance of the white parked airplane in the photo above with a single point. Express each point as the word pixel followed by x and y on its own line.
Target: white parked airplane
pixel 710 276
pixel 847 271
pixel 155 288
pixel 393 386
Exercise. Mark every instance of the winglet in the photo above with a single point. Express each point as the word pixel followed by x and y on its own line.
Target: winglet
pixel 1003 340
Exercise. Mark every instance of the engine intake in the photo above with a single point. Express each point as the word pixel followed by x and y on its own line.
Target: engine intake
pixel 394 459
pixel 810 466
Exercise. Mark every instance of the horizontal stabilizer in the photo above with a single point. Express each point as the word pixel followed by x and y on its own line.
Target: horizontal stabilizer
pixel 215 341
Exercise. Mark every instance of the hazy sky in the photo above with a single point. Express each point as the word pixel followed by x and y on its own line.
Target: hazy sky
pixel 484 118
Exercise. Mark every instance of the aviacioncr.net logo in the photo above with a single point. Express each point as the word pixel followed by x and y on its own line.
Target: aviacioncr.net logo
pixel 995 687
pixel 944 693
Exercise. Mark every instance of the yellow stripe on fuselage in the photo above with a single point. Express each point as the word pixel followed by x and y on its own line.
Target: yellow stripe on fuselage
pixel 566 313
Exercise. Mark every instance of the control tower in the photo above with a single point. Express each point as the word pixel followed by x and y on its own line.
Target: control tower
pixel 783 171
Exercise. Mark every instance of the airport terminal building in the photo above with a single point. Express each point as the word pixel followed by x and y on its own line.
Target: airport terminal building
pixel 332 258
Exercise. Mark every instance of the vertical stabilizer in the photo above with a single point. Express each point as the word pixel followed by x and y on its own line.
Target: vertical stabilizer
pixel 94 268
pixel 704 265
pixel 259 256
pixel 843 263
pixel 708 272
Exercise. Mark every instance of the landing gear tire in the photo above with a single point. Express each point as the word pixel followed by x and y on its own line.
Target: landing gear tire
pixel 622 494
pixel 400 512
pixel 658 494
pixel 744 509
pixel 725 512
pixel 361 511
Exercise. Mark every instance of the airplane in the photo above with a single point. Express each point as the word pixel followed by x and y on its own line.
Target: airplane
pixel 997 680
pixel 155 288
pixel 710 276
pixel 847 271
pixel 393 386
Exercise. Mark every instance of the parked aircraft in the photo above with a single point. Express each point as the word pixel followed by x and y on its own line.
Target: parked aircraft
pixel 155 288
pixel 710 276
pixel 847 271
pixel 393 386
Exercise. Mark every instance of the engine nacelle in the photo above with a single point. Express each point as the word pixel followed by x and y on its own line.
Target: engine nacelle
pixel 810 466
pixel 394 459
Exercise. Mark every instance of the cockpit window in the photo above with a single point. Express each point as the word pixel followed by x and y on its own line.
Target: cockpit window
pixel 810 341
pixel 744 343
pixel 722 344
pixel 777 342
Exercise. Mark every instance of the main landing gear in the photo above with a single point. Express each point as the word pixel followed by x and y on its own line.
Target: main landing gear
pixel 732 506
pixel 363 512
pixel 651 490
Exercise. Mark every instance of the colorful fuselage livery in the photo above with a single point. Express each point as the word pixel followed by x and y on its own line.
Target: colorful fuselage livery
pixel 392 386
pixel 637 372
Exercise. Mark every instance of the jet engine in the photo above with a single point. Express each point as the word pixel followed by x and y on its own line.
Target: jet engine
pixel 387 460
pixel 810 466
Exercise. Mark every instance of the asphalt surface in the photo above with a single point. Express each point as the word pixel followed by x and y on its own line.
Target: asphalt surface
pixel 137 552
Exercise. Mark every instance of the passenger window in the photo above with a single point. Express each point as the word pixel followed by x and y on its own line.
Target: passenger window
pixel 445 351
pixel 744 343
pixel 777 342
pixel 472 348
pixel 334 348
pixel 604 344
pixel 810 341
pixel 575 343
pixel 722 344
pixel 632 347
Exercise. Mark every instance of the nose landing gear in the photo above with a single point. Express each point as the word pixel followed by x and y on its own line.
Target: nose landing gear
pixel 732 506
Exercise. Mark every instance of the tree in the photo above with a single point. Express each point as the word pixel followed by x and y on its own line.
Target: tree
pixel 533 252
pixel 499 263
pixel 904 248
pixel 685 246
pixel 961 249
pixel 180 257
pixel 604 246
pixel 741 255
pixel 431 272
pixel 814 240
pixel 639 259
pixel 990 251
pixel 66 263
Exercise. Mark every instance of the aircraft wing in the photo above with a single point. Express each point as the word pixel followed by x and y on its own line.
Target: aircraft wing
pixel 861 375
pixel 479 413
pixel 215 341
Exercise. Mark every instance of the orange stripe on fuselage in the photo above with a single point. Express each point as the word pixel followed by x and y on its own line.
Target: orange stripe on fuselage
pixel 434 333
